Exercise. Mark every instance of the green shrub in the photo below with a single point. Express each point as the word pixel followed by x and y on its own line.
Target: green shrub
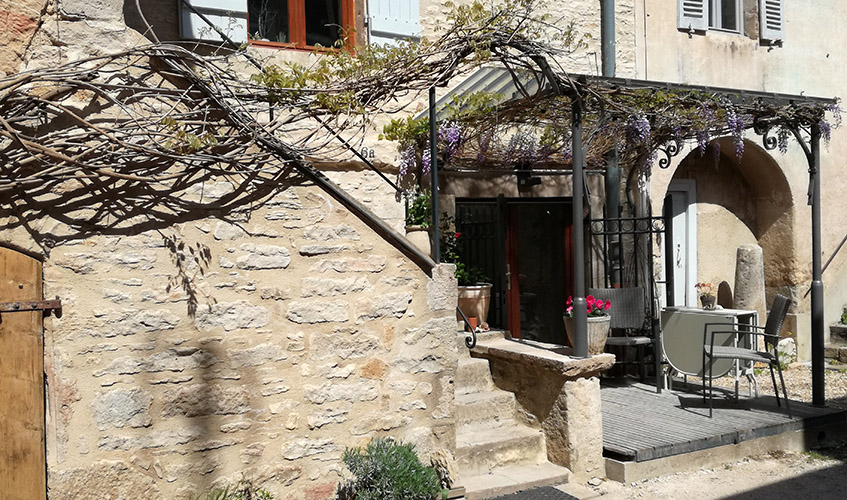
pixel 243 490
pixel 420 210
pixel 387 470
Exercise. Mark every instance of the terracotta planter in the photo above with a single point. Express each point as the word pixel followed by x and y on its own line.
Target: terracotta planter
pixel 474 301
pixel 419 236
pixel 598 331
pixel 708 301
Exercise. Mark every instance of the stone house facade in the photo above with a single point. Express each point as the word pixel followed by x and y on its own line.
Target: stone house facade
pixel 311 333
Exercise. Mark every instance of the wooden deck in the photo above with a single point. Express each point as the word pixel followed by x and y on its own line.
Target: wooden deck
pixel 641 425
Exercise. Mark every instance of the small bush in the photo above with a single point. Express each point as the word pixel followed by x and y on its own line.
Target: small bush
pixel 243 490
pixel 387 470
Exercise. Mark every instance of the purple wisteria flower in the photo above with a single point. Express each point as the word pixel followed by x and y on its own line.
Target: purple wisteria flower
pixel 782 140
pixel 567 151
pixel 426 161
pixel 450 135
pixel 638 130
pixel 826 130
pixel 835 109
pixel 484 144
pixel 407 159
pixel 736 126
pixel 702 141
pixel 522 149
pixel 716 146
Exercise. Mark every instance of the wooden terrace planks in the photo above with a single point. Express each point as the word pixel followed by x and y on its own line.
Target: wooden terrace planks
pixel 640 425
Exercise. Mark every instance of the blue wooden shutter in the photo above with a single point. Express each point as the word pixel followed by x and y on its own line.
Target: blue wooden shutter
pixel 228 15
pixel 693 15
pixel 771 21
pixel 393 20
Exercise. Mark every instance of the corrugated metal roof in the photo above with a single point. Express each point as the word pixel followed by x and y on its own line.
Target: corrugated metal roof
pixel 491 79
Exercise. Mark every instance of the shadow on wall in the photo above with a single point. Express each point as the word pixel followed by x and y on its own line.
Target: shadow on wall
pixel 725 295
pixel 162 16
pixel 129 148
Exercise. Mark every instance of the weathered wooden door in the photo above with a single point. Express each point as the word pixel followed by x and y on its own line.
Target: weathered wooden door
pixel 22 460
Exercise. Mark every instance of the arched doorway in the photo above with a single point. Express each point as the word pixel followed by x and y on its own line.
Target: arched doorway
pixel 721 202
pixel 22 455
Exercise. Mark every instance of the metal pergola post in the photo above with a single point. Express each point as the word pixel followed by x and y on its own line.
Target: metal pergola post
pixel 818 382
pixel 580 316
pixel 433 154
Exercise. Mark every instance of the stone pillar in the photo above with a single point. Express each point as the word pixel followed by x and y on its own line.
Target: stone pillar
pixel 750 280
pixel 574 429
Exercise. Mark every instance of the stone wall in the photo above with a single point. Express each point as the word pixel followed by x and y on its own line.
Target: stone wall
pixel 261 347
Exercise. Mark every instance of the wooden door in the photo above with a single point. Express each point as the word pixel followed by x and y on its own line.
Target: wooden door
pixel 539 265
pixel 22 459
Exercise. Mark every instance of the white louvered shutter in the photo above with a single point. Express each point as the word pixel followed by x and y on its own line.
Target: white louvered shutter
pixel 771 21
pixel 693 15
pixel 228 15
pixel 393 20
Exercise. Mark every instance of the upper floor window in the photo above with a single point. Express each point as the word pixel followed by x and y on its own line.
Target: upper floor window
pixel 284 23
pixel 301 23
pixel 728 15
pixel 725 15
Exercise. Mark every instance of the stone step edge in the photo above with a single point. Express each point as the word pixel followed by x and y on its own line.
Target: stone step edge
pixel 485 424
pixel 517 435
pixel 508 480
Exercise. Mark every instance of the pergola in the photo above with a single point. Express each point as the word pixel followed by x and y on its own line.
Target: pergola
pixel 805 127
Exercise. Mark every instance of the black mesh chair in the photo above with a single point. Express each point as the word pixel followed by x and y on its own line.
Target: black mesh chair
pixel 629 322
pixel 741 343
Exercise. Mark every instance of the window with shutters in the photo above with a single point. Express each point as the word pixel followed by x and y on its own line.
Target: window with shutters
pixel 725 15
pixel 285 23
pixel 728 16
pixel 392 20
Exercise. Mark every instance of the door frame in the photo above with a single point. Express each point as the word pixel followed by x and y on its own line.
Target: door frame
pixel 687 189
pixel 511 267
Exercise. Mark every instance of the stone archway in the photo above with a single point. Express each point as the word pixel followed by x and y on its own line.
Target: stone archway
pixel 740 202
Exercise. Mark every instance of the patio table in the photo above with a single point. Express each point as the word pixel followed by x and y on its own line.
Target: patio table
pixel 682 338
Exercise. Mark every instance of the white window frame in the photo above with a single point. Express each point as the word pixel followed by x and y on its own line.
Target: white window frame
pixel 716 14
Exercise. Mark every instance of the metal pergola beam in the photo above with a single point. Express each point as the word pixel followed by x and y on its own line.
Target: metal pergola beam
pixel 776 97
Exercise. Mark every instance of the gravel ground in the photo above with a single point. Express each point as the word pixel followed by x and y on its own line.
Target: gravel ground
pixel 798 380
pixel 820 473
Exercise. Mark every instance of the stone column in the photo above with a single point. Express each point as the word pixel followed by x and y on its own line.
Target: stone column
pixel 750 280
pixel 574 429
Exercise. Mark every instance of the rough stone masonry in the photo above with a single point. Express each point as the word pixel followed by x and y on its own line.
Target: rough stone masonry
pixel 299 333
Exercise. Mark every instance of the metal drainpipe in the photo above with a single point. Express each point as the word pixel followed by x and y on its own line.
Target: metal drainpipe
pixel 613 169
pixel 607 36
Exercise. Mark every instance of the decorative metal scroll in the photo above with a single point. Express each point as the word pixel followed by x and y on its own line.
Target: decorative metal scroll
pixel 470 340
pixel 628 225
pixel 670 150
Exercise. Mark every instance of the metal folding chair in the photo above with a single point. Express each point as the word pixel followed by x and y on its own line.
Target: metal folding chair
pixel 731 347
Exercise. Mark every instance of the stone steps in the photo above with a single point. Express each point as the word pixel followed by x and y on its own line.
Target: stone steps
pixel 480 451
pixel 507 480
pixel 496 455
pixel 836 351
pixel 484 410
pixel 473 376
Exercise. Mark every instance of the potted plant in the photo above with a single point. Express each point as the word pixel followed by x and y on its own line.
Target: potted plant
pixel 474 288
pixel 707 295
pixel 419 220
pixel 599 322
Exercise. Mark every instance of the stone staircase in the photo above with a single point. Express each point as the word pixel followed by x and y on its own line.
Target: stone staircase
pixel 836 348
pixel 495 454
